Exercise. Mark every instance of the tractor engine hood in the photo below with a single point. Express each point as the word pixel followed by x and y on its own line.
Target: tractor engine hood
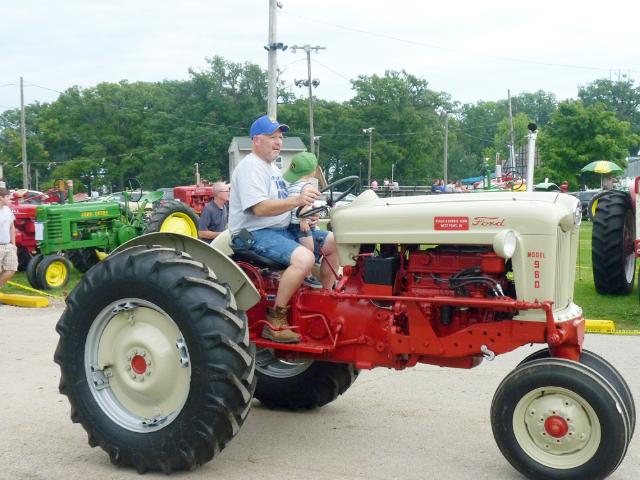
pixel 463 218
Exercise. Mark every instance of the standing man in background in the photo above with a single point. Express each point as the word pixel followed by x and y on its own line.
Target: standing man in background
pixel 8 251
pixel 215 215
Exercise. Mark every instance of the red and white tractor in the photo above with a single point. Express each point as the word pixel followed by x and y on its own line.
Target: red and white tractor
pixel 161 349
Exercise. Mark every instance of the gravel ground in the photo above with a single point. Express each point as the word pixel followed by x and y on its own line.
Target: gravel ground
pixel 425 422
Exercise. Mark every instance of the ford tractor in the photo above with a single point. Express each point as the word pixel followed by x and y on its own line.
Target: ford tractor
pixel 161 349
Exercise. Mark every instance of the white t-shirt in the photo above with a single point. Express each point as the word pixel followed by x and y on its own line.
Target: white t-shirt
pixel 6 220
pixel 253 181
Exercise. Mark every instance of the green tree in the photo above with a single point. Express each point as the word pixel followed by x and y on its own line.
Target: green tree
pixel 577 135
pixel 621 96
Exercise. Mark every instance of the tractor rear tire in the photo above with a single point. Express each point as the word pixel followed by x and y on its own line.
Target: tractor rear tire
pixel 53 272
pixel 155 360
pixel 32 269
pixel 554 418
pixel 612 250
pixel 83 259
pixel 300 385
pixel 174 217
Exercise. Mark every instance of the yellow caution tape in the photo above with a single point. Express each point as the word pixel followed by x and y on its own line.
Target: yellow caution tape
pixel 39 292
pixel 607 327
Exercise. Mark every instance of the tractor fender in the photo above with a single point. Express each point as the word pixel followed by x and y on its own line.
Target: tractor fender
pixel 224 268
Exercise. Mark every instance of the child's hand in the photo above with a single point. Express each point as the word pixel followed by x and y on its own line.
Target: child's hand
pixel 304 225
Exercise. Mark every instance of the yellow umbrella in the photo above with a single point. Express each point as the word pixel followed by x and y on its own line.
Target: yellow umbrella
pixel 601 166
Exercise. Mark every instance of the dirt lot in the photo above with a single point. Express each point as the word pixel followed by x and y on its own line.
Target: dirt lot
pixel 426 422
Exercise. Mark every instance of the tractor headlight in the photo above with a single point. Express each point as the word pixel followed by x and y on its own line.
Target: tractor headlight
pixel 571 220
pixel 504 244
pixel 577 215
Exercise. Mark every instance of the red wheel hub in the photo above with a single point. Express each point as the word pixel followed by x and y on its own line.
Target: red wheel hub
pixel 556 426
pixel 138 364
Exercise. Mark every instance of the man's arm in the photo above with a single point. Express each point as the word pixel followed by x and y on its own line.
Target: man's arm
pixel 269 208
pixel 207 234
pixel 12 233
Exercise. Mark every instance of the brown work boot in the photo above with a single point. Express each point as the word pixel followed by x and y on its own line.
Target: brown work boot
pixel 277 316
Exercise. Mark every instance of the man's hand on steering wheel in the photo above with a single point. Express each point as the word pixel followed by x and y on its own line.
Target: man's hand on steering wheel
pixel 352 182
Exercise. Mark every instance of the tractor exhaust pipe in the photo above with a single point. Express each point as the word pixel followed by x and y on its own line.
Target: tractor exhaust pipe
pixel 531 154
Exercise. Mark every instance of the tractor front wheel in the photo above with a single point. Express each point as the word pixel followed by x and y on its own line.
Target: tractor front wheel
pixel 155 360
pixel 612 251
pixel 610 374
pixel 32 269
pixel 174 217
pixel 53 272
pixel 553 418
pixel 296 385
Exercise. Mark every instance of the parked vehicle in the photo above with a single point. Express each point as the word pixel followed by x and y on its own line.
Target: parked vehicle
pixel 585 197
pixel 161 349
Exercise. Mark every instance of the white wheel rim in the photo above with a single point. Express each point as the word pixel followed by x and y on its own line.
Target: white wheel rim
pixel 137 365
pixel 268 364
pixel 577 432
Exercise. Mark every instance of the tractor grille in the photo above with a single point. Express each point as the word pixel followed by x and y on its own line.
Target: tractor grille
pixel 54 227
pixel 565 267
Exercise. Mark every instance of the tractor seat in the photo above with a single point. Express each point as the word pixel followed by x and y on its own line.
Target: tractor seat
pixel 249 256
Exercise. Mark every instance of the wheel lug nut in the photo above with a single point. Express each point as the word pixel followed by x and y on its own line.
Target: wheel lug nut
pixel 133 375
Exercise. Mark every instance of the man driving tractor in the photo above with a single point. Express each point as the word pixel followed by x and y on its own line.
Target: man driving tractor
pixel 259 217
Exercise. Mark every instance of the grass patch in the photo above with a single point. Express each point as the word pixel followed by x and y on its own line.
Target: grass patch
pixel 21 278
pixel 624 310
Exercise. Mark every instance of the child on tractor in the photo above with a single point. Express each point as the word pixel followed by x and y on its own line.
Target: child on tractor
pixel 299 174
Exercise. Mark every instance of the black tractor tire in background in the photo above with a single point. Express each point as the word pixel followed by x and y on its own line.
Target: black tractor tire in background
pixel 32 269
pixel 83 259
pixel 24 257
pixel 300 385
pixel 174 216
pixel 612 244
pixel 155 305
pixel 53 271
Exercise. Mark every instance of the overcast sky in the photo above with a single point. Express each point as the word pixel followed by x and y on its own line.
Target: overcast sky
pixel 472 50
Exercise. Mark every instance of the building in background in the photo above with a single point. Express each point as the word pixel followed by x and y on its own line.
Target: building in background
pixel 241 146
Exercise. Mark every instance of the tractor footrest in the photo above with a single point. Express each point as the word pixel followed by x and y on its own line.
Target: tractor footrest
pixel 306 347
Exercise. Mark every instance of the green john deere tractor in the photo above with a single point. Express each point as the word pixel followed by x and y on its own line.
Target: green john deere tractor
pixel 81 234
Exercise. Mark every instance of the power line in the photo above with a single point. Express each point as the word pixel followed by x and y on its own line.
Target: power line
pixel 454 50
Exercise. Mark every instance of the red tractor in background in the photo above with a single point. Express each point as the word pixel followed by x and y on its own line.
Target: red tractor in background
pixel 196 196
pixel 23 205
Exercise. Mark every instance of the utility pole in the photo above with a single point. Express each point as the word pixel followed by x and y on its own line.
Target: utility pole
pixel 23 130
pixel 272 47
pixel 446 145
pixel 308 83
pixel 512 147
pixel 316 139
pixel 370 132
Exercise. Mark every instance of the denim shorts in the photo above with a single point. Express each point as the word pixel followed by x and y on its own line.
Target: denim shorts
pixel 279 243
pixel 294 228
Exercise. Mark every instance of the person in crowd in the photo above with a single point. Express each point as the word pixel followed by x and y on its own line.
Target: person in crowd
pixel 8 249
pixel 374 184
pixel 215 215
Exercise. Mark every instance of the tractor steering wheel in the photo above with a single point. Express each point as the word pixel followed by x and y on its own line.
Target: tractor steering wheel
pixel 353 181
pixel 132 185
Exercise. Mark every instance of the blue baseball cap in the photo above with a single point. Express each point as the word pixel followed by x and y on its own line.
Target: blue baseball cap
pixel 266 125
